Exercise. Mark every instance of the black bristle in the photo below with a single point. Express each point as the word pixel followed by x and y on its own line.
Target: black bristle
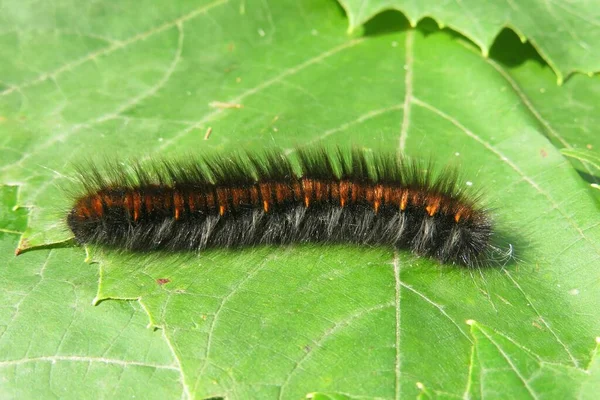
pixel 258 198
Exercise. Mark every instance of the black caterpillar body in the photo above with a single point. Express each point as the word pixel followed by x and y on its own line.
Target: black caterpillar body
pixel 246 200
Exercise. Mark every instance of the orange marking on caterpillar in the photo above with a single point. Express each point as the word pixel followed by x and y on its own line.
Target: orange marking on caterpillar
pixel 235 197
pixel 97 206
pixel 137 205
pixel 404 200
pixel 457 216
pixel 108 200
pixel 354 188
pixel 344 190
pixel 387 195
pixel 319 188
pixel 433 208
pixel 334 189
pixel 377 194
pixel 416 198
pixel 148 203
pixel 83 212
pixel 307 184
pixel 191 203
pixel 282 192
pixel 222 197
pixel 279 195
pixel 178 203
pixel 265 193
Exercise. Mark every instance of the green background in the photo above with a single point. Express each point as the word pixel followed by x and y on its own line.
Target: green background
pixel 131 80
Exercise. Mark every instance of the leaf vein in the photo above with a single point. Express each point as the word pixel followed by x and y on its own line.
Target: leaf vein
pixel 510 163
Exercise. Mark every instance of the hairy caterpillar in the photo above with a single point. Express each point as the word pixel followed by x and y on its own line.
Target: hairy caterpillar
pixel 250 199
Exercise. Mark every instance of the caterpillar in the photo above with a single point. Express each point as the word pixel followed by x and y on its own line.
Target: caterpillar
pixel 247 199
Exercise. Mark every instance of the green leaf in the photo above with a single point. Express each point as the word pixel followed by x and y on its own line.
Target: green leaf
pixel 140 80
pixel 54 343
pixel 591 385
pixel 503 366
pixel 589 157
pixel 565 116
pixel 327 396
pixel 565 34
